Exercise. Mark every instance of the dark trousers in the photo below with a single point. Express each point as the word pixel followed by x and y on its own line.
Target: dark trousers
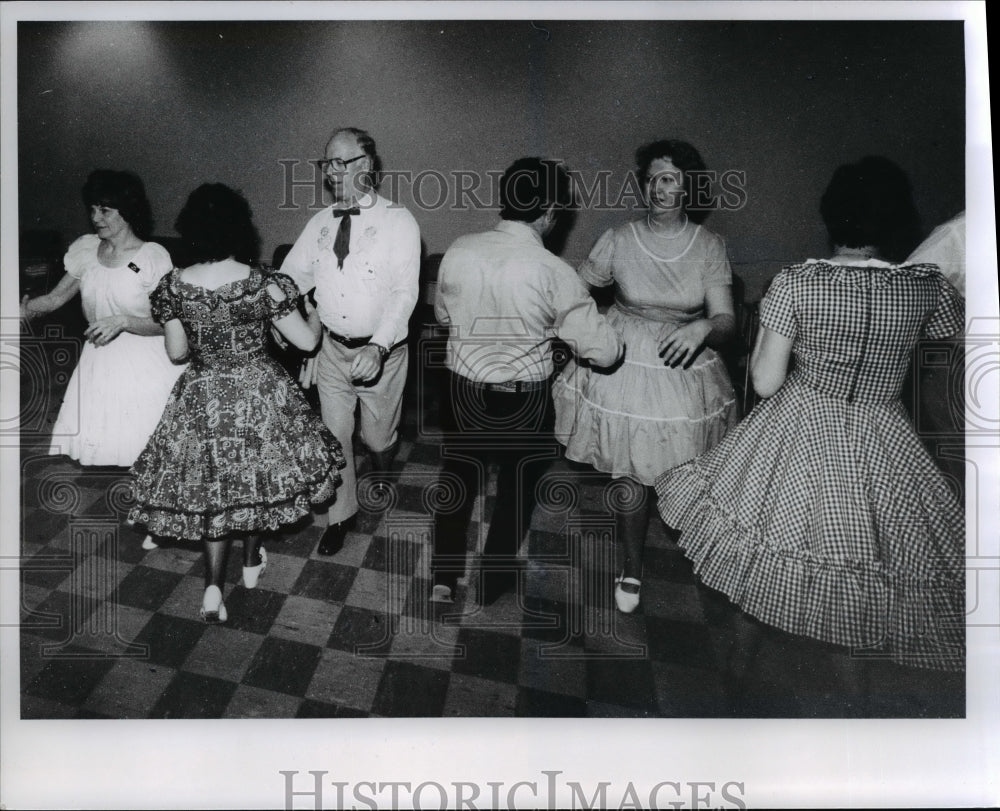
pixel 513 429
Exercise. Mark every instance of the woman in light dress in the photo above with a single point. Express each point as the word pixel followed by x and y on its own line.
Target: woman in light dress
pixel 671 399
pixel 117 392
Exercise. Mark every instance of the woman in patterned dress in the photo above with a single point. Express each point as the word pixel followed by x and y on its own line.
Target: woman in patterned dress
pixel 117 392
pixel 238 451
pixel 822 514
pixel 671 398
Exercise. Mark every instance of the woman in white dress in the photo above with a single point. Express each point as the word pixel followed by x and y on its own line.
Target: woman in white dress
pixel 118 390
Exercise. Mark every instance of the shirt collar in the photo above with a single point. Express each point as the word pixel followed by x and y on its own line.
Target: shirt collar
pixel 519 229
pixel 366 201
pixel 851 261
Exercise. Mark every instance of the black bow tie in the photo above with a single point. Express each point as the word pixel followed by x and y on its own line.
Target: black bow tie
pixel 342 244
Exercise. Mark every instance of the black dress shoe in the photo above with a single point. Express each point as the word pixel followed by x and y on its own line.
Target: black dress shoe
pixel 333 539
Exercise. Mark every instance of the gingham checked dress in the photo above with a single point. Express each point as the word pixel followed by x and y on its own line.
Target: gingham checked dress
pixel 821 513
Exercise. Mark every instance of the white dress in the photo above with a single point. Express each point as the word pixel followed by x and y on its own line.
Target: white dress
pixel 117 392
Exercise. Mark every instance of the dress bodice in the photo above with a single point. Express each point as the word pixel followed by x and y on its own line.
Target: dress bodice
pixel 229 323
pixel 663 280
pixel 853 327
pixel 120 290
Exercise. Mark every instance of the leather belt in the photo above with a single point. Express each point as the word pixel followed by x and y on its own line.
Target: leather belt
pixel 350 343
pixel 515 386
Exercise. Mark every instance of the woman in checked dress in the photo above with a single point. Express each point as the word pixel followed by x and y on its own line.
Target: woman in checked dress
pixel 822 514
pixel 238 451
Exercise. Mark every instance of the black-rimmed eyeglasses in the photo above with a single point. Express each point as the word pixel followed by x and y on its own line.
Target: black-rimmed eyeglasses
pixel 337 164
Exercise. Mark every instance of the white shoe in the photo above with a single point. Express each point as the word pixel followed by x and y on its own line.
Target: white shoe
pixel 626 601
pixel 251 574
pixel 148 543
pixel 212 607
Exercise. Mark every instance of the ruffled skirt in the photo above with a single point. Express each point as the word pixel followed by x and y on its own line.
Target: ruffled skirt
pixel 644 417
pixel 828 519
pixel 114 400
pixel 238 450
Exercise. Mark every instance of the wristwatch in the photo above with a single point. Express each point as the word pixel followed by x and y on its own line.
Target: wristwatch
pixel 383 353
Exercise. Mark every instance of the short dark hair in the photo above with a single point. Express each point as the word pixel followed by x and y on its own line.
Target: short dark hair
pixel 216 223
pixel 124 192
pixel 531 186
pixel 871 203
pixel 367 145
pixel 685 157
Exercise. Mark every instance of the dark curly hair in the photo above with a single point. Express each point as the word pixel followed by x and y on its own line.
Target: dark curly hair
pixel 216 223
pixel 685 157
pixel 531 186
pixel 124 192
pixel 871 203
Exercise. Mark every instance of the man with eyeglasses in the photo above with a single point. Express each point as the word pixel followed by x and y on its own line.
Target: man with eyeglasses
pixel 360 260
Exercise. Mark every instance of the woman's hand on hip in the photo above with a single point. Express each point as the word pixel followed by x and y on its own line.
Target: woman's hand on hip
pixel 105 330
pixel 681 345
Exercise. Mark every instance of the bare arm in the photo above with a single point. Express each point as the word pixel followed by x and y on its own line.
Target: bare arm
pixel 304 333
pixel 175 340
pixel 681 345
pixel 769 362
pixel 105 330
pixel 67 287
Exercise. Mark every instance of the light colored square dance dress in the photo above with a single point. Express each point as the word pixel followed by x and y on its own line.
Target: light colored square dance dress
pixel 645 417
pixel 116 394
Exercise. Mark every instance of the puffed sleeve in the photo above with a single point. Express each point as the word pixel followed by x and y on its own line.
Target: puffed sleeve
pixel 949 317
pixel 80 255
pixel 279 309
pixel 164 301
pixel 777 308
pixel 596 269
pixel 716 271
pixel 154 263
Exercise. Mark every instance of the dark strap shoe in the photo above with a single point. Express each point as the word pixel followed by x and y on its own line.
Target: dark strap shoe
pixel 333 539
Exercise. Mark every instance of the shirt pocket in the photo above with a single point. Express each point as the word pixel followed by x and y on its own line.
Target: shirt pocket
pixel 369 274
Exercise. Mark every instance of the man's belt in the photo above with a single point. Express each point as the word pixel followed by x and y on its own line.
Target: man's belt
pixel 516 386
pixel 350 343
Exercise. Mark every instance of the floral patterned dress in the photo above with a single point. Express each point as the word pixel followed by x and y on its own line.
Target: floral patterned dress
pixel 238 449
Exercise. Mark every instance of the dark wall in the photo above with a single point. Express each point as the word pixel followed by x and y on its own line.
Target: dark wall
pixel 186 103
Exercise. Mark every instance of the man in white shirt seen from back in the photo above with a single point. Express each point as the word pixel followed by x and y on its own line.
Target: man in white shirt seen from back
pixel 505 297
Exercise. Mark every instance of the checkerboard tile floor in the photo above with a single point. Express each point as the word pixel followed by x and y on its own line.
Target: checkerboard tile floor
pixel 112 631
